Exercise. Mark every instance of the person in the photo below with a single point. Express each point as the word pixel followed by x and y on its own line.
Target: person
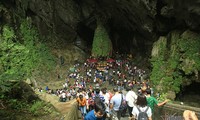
pixel 106 101
pixel 97 113
pixel 152 101
pixel 73 93
pixel 142 90
pixel 63 97
pixel 69 95
pixel 189 115
pixel 90 105
pixel 98 97
pixel 141 105
pixel 115 103
pixel 123 103
pixel 82 104
pixel 131 98
pixel 47 88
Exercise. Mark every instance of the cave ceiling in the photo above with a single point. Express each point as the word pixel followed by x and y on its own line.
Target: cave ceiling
pixel 138 22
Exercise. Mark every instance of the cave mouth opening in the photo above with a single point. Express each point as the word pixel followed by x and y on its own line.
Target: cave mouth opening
pixel 190 95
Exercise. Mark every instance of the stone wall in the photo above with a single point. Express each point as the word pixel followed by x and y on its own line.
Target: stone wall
pixel 73 113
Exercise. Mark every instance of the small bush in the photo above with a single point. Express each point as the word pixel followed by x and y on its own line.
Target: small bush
pixel 37 107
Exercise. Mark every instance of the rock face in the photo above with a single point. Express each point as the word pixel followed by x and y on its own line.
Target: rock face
pixel 23 91
pixel 183 12
pixel 175 61
pixel 137 22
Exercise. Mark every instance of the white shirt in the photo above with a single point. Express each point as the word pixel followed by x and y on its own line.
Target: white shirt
pixel 135 111
pixel 106 97
pixel 131 98
pixel 63 95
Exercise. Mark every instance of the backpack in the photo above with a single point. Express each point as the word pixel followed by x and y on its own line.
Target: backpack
pixel 123 106
pixel 142 115
pixel 98 98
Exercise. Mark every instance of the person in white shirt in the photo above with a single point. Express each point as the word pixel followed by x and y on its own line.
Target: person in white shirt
pixel 106 97
pixel 63 96
pixel 141 104
pixel 131 98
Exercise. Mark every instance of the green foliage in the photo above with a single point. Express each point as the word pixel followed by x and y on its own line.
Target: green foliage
pixel 172 65
pixel 158 63
pixel 37 108
pixel 40 108
pixel 162 97
pixel 4 87
pixel 21 55
pixel 190 54
pixel 164 72
pixel 9 52
pixel 39 54
pixel 158 67
pixel 7 55
pixel 18 105
pixel 102 45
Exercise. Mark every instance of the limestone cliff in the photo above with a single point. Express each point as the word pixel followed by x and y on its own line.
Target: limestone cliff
pixel 138 22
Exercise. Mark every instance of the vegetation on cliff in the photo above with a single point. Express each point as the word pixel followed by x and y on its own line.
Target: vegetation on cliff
pixel 102 45
pixel 175 61
pixel 21 55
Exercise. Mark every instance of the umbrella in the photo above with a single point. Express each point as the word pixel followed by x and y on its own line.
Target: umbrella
pixel 110 60
pixel 92 60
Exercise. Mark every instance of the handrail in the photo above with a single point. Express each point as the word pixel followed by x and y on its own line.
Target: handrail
pixel 172 109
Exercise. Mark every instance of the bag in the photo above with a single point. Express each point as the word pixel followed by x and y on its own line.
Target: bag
pixel 113 116
pixel 98 99
pixel 142 115
pixel 122 106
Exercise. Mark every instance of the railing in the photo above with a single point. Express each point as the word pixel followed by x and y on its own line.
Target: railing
pixel 169 111
pixel 172 111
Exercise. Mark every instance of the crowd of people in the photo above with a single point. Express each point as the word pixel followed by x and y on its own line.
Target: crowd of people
pixel 130 90
pixel 96 102
pixel 110 102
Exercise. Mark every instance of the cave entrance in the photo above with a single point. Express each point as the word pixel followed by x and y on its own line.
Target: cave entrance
pixel 190 95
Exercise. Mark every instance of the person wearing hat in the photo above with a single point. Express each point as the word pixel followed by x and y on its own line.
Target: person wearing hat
pixel 142 90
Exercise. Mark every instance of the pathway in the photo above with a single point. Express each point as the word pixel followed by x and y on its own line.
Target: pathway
pixel 64 108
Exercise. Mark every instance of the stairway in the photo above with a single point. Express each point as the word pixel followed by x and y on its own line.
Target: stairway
pixel 68 109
